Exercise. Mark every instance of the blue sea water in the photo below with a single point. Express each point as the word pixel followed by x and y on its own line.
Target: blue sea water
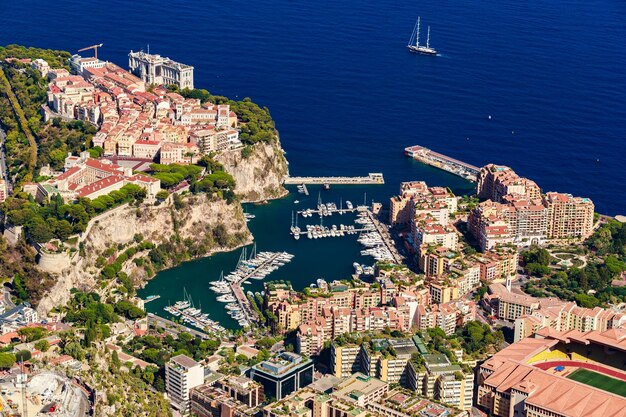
pixel 347 96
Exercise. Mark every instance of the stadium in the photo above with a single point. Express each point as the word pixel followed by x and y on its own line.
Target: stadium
pixel 554 374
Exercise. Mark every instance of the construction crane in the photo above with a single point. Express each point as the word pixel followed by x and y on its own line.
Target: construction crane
pixel 94 47
pixel 24 380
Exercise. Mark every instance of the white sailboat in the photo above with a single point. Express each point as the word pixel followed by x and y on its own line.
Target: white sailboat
pixel 414 42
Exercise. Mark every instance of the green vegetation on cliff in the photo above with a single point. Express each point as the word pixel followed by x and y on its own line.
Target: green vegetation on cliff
pixel 257 124
pixel 17 264
pixel 56 59
pixel 60 220
pixel 31 144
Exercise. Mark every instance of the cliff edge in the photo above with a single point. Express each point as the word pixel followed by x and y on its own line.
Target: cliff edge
pixel 259 170
pixel 195 226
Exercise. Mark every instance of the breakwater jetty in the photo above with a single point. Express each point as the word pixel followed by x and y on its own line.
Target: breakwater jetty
pixel 446 163
pixel 372 178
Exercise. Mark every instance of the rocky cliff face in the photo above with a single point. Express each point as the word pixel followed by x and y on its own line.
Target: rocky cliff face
pixel 260 174
pixel 195 221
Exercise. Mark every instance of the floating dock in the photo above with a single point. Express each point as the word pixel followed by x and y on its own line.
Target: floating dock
pixel 437 160
pixel 372 178
pixel 151 298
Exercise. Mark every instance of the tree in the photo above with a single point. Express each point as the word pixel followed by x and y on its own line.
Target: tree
pixel 148 377
pixel 159 383
pixel 42 345
pixel 162 195
pixel 115 361
pixel 90 333
pixel 7 360
pixel 74 350
pixel 30 334
pixel 22 356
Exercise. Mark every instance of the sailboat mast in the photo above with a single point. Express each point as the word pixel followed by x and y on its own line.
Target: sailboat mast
pixel 413 34
pixel 417 38
pixel 428 38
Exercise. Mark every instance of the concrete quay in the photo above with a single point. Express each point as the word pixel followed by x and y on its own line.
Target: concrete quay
pixel 383 231
pixel 372 178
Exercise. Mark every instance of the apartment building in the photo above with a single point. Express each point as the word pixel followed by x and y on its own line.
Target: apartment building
pixel 496 181
pixel 400 206
pixel 41 65
pixel 345 359
pixel 516 212
pixel 283 374
pixel 507 305
pixel 441 380
pixel 3 190
pixel 443 289
pixel 311 337
pixel 236 396
pixel 430 232
pixel 562 316
pixel 569 216
pixel 182 374
pixel 179 153
pixel 436 260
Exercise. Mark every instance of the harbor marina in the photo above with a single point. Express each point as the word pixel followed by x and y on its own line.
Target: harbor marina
pixel 256 267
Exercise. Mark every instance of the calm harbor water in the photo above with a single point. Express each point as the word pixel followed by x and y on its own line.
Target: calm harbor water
pixel 347 97
pixel 329 258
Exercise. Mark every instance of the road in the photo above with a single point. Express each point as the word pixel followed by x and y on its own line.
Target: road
pixel 9 304
pixel 172 327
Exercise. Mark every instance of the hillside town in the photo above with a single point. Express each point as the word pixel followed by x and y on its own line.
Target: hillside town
pixel 136 119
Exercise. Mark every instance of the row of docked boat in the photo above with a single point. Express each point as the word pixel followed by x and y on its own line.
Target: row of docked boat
pixel 372 240
pixel 259 266
pixel 327 209
pixel 362 269
pixel 380 253
pixel 234 311
pixel 193 316
pixel 319 231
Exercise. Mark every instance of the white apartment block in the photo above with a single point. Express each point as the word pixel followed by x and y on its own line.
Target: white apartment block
pixel 79 64
pixel 181 375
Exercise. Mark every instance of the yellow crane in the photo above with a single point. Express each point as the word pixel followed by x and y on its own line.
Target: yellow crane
pixel 94 47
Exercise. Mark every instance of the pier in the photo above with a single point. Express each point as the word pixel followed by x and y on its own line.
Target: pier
pixel 372 178
pixel 257 267
pixel 151 298
pixel 437 160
